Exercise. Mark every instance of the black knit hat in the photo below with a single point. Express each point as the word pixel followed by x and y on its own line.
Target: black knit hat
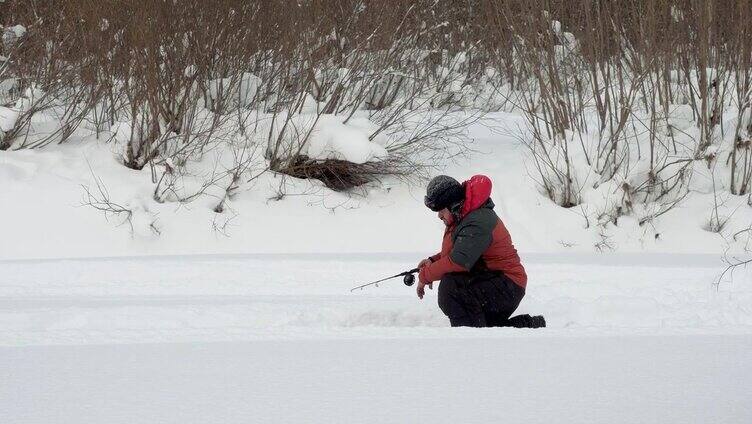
pixel 443 192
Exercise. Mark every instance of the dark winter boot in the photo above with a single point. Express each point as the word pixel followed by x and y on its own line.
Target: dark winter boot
pixel 538 322
pixel 527 321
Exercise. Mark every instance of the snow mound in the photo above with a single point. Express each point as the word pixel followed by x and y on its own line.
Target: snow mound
pixel 240 91
pixel 8 118
pixel 12 34
pixel 333 139
pixel 324 137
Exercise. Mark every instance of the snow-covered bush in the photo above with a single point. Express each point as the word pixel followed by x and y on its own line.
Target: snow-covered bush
pixel 631 106
pixel 633 99
pixel 157 82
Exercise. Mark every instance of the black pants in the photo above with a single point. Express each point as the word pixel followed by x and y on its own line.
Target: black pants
pixel 479 299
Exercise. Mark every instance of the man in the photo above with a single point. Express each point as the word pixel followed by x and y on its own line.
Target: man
pixel 482 278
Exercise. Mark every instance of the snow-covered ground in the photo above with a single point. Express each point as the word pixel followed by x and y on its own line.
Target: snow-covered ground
pixel 247 316
pixel 525 379
pixel 43 216
pixel 280 338
pixel 225 298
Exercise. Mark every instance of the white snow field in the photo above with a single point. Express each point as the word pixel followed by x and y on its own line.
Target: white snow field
pixel 247 316
pixel 280 338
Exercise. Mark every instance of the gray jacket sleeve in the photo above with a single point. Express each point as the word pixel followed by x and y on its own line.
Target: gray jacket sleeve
pixel 472 237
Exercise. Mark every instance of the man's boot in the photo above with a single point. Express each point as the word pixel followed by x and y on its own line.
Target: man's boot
pixel 527 321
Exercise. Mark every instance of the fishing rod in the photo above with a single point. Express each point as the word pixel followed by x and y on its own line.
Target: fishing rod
pixel 409 279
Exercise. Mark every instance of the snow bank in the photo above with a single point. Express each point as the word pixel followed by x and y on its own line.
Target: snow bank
pixel 391 218
pixel 239 91
pixel 324 137
pixel 8 118
pixel 332 139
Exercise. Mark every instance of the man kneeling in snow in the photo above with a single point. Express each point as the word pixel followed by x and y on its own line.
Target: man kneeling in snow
pixel 482 278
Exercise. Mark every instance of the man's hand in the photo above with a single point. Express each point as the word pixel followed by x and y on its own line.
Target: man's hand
pixel 423 263
pixel 422 283
pixel 421 289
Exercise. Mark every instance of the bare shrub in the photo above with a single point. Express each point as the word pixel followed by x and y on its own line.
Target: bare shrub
pixel 634 64
pixel 342 175
pixel 600 84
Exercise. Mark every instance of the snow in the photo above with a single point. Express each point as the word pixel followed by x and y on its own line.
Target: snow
pixel 333 139
pixel 241 91
pixel 166 311
pixel 248 297
pixel 186 315
pixel 11 34
pixel 324 136
pixel 6 86
pixel 8 118
pixel 18 30
pixel 45 185
pixel 674 379
pixel 280 338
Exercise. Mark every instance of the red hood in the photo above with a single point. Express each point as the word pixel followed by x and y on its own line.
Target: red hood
pixel 477 192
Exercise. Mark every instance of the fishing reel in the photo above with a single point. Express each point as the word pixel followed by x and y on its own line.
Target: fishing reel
pixel 407 277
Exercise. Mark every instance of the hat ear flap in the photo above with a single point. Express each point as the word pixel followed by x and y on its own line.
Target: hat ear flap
pixel 456 208
pixel 456 211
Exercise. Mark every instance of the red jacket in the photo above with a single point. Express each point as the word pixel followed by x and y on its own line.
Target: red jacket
pixel 498 252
